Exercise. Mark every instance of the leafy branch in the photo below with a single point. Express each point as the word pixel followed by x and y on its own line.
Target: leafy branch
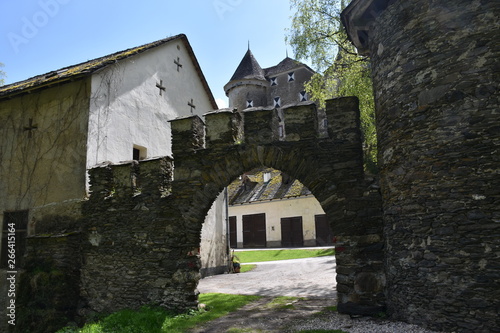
pixel 317 35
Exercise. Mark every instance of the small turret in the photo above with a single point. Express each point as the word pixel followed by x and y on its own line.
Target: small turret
pixel 248 85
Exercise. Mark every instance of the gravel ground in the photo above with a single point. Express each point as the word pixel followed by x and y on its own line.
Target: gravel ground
pixel 311 277
pixel 300 314
pixel 359 325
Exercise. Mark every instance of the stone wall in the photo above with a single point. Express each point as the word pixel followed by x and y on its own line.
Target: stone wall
pixel 143 221
pixel 331 167
pixel 48 292
pixel 436 73
pixel 134 248
pixel 142 224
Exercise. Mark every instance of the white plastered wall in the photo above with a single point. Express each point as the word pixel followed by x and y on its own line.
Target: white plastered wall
pixel 275 210
pixel 127 110
pixel 126 107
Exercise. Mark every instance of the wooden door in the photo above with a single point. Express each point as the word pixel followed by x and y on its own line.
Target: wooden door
pixel 232 232
pixel 254 230
pixel 291 232
pixel 324 235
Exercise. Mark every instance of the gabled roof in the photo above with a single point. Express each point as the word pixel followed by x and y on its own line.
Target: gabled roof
pixel 248 68
pixel 285 65
pixel 87 68
pixel 252 187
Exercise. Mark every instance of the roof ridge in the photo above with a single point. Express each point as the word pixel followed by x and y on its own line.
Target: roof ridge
pixel 90 66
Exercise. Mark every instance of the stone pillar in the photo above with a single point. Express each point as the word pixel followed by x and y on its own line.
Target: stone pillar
pixel 343 128
pixel 436 71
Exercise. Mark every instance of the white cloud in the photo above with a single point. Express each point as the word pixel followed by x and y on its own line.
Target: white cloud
pixel 221 102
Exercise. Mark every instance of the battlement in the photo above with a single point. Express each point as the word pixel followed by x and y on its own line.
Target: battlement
pixel 151 177
pixel 302 121
pixel 223 129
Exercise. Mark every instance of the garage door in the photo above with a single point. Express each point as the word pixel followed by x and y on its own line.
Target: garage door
pixel 291 232
pixel 254 230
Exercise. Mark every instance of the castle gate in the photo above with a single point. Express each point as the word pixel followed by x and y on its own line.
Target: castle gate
pixel 144 220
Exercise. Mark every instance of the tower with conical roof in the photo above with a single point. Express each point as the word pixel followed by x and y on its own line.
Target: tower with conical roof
pixel 248 85
pixel 276 86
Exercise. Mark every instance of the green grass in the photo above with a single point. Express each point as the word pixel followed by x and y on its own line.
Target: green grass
pixel 247 268
pixel 272 255
pixel 158 320
pixel 243 330
pixel 282 302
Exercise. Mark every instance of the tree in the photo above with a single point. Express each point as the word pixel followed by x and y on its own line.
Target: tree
pixel 317 34
pixel 2 75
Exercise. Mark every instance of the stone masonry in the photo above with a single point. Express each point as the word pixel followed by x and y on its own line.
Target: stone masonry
pixel 142 223
pixel 436 79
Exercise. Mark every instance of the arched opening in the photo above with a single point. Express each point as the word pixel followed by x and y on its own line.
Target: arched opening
pixel 209 154
pixel 269 210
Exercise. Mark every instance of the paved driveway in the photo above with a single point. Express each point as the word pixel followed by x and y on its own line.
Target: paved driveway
pixel 310 277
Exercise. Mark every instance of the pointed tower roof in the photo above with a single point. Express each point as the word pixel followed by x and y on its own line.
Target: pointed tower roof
pixel 248 68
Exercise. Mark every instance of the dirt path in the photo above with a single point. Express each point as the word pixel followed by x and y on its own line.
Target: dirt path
pixel 265 316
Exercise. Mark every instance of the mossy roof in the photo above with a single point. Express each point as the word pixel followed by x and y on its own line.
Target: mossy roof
pixel 74 72
pixel 252 187
pixel 285 65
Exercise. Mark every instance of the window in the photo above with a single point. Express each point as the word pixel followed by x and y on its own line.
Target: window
pixel 277 102
pixel 291 76
pixel 14 230
pixel 139 153
pixel 249 103
pixel 274 81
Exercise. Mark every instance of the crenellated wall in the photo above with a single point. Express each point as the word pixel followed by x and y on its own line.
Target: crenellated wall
pixel 144 220
pixel 142 224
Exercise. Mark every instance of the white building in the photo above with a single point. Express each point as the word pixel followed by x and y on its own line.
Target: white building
pixel 115 108
pixel 269 209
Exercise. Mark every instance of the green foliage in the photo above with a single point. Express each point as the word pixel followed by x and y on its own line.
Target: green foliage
pixel 151 319
pixel 317 34
pixel 272 255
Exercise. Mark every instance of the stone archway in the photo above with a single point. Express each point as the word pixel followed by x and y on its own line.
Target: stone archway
pixel 140 244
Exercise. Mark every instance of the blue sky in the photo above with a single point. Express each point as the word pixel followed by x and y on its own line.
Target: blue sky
pixel 38 36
